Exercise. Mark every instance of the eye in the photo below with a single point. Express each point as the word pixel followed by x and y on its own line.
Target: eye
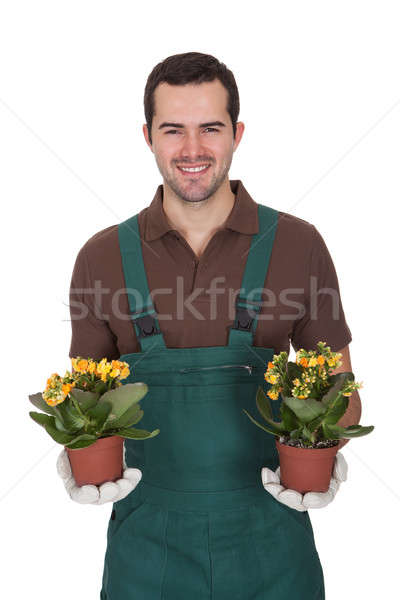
pixel 172 131
pixel 212 129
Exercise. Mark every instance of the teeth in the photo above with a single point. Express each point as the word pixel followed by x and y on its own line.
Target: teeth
pixel 194 169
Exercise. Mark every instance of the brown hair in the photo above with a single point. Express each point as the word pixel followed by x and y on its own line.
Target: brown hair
pixel 191 67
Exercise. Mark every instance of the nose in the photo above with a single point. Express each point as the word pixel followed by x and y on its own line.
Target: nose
pixel 192 147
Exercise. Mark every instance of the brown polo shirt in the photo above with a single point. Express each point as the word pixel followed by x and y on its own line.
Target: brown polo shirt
pixel 301 297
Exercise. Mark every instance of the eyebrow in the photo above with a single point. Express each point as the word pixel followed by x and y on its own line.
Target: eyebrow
pixel 181 126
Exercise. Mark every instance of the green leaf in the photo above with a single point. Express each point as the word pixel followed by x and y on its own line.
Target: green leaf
pixel 263 404
pixel 273 427
pixel 58 436
pixel 294 370
pixel 264 407
pixel 41 418
pixel 82 441
pixel 306 434
pixel 355 431
pixel 337 382
pixel 48 422
pixel 84 398
pixel 60 425
pixel 100 387
pixel 315 423
pixel 289 418
pixel 137 434
pixel 124 396
pixel 69 416
pixel 305 409
pixel 336 410
pixel 337 432
pixel 38 402
pixel 332 432
pixel 129 418
pixel 296 433
pixel 99 414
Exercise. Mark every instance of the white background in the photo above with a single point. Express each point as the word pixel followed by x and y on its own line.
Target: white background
pixel 320 98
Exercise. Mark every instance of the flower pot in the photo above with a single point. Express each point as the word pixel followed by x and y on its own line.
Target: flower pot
pixel 306 469
pixel 98 463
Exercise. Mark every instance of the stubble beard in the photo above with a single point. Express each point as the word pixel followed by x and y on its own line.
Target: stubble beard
pixel 195 192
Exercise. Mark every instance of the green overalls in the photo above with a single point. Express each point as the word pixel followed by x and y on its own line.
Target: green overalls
pixel 200 525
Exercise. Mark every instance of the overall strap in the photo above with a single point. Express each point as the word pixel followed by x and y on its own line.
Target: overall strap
pixel 248 301
pixel 143 313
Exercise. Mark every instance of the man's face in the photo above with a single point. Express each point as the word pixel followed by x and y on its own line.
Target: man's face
pixel 192 128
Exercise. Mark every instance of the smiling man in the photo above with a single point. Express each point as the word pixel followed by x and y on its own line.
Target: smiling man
pixel 197 292
pixel 194 156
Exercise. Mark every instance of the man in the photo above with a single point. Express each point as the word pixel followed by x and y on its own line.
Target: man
pixel 197 523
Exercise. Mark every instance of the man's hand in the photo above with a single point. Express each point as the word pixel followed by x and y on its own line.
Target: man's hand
pixel 302 502
pixel 110 491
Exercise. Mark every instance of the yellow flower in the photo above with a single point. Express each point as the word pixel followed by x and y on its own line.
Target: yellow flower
pixel 272 394
pixel 124 372
pixel 312 362
pixel 92 367
pixel 53 401
pixel 103 367
pixel 114 372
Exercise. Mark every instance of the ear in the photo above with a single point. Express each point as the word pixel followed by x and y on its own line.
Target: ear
pixel 239 134
pixel 146 136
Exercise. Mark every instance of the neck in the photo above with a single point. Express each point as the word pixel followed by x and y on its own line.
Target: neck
pixel 198 219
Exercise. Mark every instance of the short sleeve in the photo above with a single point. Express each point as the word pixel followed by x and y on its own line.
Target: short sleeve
pixel 323 319
pixel 91 335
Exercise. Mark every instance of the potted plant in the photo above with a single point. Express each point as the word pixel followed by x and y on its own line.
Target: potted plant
pixel 90 412
pixel 313 401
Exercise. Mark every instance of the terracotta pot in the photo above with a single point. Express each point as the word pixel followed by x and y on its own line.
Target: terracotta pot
pixel 306 469
pixel 98 463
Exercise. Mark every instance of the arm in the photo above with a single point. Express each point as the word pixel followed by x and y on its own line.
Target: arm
pixel 353 413
pixel 91 334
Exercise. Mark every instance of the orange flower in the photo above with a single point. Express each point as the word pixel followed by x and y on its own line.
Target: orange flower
pixel 321 359
pixel 124 372
pixel 82 365
pixel 304 362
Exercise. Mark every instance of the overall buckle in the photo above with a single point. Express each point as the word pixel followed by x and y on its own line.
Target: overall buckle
pixel 244 319
pixel 147 325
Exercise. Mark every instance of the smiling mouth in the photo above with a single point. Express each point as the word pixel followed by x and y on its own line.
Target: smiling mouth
pixel 199 170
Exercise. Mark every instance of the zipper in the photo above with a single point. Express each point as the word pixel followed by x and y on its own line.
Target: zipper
pixel 192 369
pixel 196 264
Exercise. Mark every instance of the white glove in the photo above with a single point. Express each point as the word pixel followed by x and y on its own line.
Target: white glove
pixel 302 502
pixel 110 491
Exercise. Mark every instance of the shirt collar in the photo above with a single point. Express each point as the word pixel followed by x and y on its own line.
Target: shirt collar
pixel 242 218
